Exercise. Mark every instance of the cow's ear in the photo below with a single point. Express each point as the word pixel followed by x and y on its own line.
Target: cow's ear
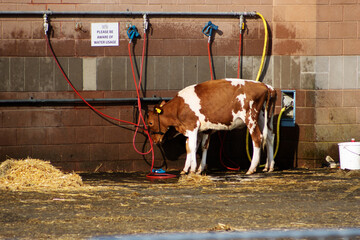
pixel 162 103
pixel 158 109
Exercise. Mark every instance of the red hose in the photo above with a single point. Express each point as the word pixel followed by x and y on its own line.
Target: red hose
pixel 150 175
pixel 210 63
pixel 79 95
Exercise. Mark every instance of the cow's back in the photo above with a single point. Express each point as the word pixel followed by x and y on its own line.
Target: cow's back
pixel 216 101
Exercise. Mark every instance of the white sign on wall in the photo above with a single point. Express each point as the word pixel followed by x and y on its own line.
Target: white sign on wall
pixel 104 34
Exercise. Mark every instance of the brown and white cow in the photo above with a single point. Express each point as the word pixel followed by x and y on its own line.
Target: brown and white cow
pixel 218 105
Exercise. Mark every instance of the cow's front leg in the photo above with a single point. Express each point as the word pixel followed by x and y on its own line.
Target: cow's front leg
pixel 190 152
pixel 205 145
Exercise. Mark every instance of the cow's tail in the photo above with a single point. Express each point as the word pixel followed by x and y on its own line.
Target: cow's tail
pixel 268 113
pixel 265 129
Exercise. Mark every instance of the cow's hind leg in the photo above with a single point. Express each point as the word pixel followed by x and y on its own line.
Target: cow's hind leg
pixel 205 145
pixel 190 152
pixel 256 137
pixel 269 166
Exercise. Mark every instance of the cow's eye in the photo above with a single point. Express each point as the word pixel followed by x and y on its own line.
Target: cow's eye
pixel 151 123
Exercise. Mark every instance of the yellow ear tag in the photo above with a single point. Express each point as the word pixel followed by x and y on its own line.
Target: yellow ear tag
pixel 158 110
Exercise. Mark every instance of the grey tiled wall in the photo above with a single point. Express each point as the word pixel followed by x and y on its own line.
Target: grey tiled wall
pixel 173 73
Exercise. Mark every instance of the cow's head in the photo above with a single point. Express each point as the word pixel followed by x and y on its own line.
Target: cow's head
pixel 157 124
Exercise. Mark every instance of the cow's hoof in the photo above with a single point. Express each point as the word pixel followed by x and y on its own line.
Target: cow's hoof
pixel 265 169
pixel 191 172
pixel 250 172
pixel 271 169
pixel 182 172
pixel 198 172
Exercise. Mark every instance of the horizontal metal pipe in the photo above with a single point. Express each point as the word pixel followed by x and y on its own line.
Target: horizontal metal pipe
pixel 102 13
pixel 67 102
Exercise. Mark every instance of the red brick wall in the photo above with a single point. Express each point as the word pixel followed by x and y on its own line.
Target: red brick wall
pixel 315 27
pixel 76 138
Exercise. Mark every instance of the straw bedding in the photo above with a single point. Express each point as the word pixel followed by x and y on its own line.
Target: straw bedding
pixel 194 180
pixel 32 174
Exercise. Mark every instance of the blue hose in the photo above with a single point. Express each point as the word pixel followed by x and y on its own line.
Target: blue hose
pixel 209 27
pixel 132 32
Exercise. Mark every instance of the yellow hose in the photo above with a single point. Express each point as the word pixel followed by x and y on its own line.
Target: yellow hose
pixel 258 75
pixel 278 131
pixel 265 47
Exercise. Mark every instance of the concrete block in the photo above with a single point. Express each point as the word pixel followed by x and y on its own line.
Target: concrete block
pixel 336 72
pixel 47 77
pixel 351 98
pixel 295 70
pixel 203 69
pixel 322 64
pixel 5 73
pixel 276 71
pixel 76 72
pixel 248 67
pixel 306 133
pixel 149 74
pixel 60 81
pixel 31 136
pixel 335 132
pixel 328 99
pixel 16 152
pixel 8 47
pixel 350 72
pixel 8 136
pixel 307 80
pixel 342 115
pixel 32 74
pixel 231 67
pixel 219 67
pixel 322 81
pixel 17 75
pixel 322 116
pixel 162 73
pixel 103 73
pixel 89 73
pixel 307 64
pixel 305 115
pixel 190 71
pixel 285 72
pixel 104 152
pixel 176 81
pixel 118 73
pixel 62 135
pixel 89 134
pixel 80 117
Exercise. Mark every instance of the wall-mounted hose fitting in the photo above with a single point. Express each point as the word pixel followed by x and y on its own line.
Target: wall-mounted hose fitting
pixel 146 23
pixel 46 24
pixel 241 24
